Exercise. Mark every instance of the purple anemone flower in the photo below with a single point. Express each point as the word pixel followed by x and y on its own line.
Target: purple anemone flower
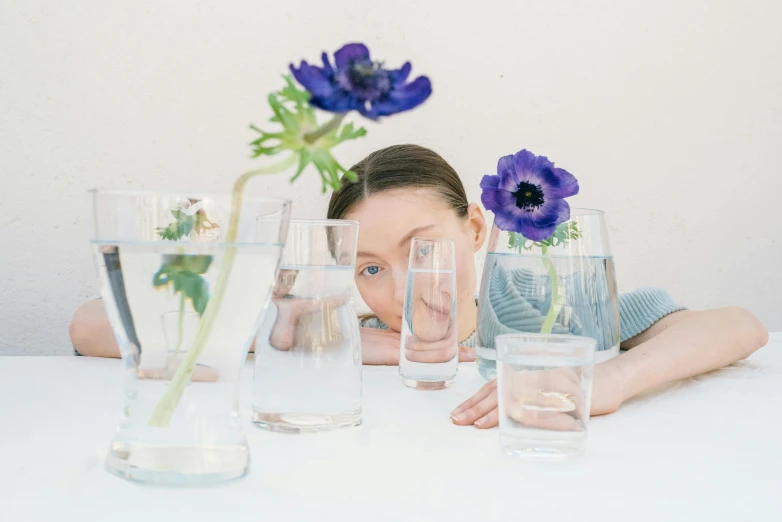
pixel 358 83
pixel 527 195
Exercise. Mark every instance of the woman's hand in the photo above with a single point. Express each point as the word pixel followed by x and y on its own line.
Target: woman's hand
pixel 481 409
pixel 381 346
pixel 438 351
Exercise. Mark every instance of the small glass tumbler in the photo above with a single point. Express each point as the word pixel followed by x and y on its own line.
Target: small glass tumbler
pixel 428 357
pixel 544 385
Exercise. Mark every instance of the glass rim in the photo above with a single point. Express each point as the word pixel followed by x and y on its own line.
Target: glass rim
pixel 180 193
pixel 432 240
pixel 563 339
pixel 586 212
pixel 323 222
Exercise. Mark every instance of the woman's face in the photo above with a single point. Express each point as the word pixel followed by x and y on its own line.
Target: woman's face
pixel 388 222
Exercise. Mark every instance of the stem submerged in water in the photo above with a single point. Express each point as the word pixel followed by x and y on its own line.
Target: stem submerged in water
pixel 556 294
pixel 164 410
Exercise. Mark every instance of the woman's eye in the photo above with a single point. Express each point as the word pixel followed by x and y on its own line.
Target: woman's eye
pixel 424 251
pixel 371 270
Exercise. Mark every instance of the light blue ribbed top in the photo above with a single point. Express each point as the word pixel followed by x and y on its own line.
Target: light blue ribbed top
pixel 516 308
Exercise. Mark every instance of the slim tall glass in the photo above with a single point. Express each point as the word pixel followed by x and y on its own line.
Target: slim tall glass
pixel 428 351
pixel 544 385
pixel 179 296
pixel 308 349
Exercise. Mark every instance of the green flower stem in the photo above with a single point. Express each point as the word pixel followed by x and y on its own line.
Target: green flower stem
pixel 164 410
pixel 556 293
pixel 180 324
pixel 181 321
pixel 332 124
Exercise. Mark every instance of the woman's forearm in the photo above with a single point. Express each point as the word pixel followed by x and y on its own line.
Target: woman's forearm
pixel 687 344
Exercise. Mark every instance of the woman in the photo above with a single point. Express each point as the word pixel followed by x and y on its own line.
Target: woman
pixel 408 191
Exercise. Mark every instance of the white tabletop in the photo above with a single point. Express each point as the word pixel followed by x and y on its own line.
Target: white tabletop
pixel 706 449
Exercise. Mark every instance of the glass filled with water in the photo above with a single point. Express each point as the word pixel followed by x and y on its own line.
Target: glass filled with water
pixel 428 357
pixel 520 283
pixel 544 386
pixel 308 349
pixel 181 297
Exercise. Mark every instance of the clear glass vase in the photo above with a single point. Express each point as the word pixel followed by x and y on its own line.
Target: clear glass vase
pixel 184 305
pixel 517 294
pixel 308 350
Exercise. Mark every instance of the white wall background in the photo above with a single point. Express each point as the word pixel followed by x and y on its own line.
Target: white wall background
pixel 669 113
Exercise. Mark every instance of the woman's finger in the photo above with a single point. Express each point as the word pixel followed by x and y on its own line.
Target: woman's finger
pixel 479 409
pixel 439 356
pixel 484 392
pixel 489 420
pixel 466 354
pixel 417 345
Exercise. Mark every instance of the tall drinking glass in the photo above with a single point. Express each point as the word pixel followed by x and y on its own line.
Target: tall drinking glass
pixel 308 349
pixel 180 299
pixel 428 357
pixel 544 384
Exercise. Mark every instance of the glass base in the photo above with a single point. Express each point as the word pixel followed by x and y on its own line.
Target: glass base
pixel 540 450
pixel 487 367
pixel 178 465
pixel 305 422
pixel 427 385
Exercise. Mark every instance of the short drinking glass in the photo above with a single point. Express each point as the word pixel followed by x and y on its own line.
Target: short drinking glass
pixel 544 386
pixel 428 356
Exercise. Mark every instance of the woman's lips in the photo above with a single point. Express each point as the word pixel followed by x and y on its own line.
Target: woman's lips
pixel 438 313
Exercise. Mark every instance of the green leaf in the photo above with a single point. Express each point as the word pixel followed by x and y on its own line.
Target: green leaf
pixel 283 114
pixel 199 295
pixel 196 264
pixel 160 278
pixel 180 281
pixel 305 156
pixel 347 132
pixel 292 93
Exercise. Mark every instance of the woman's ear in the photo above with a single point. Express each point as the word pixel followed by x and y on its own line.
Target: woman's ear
pixel 476 223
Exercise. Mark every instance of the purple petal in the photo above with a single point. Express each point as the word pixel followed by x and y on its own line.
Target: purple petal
pixel 313 79
pixel 507 172
pixel 400 75
pixel 552 212
pixel 491 182
pixel 511 222
pixel 405 98
pixel 530 166
pixel 335 102
pixel 327 68
pixel 568 185
pixel 547 181
pixel 361 107
pixel 535 233
pixel 521 222
pixel 349 53
pixel 497 201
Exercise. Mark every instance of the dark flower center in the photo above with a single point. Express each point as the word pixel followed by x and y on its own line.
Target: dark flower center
pixel 529 197
pixel 365 79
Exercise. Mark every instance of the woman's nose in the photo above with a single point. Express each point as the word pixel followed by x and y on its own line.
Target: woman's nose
pixel 400 286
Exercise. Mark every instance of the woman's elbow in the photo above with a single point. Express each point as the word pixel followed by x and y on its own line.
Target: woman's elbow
pixel 750 332
pixel 90 331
